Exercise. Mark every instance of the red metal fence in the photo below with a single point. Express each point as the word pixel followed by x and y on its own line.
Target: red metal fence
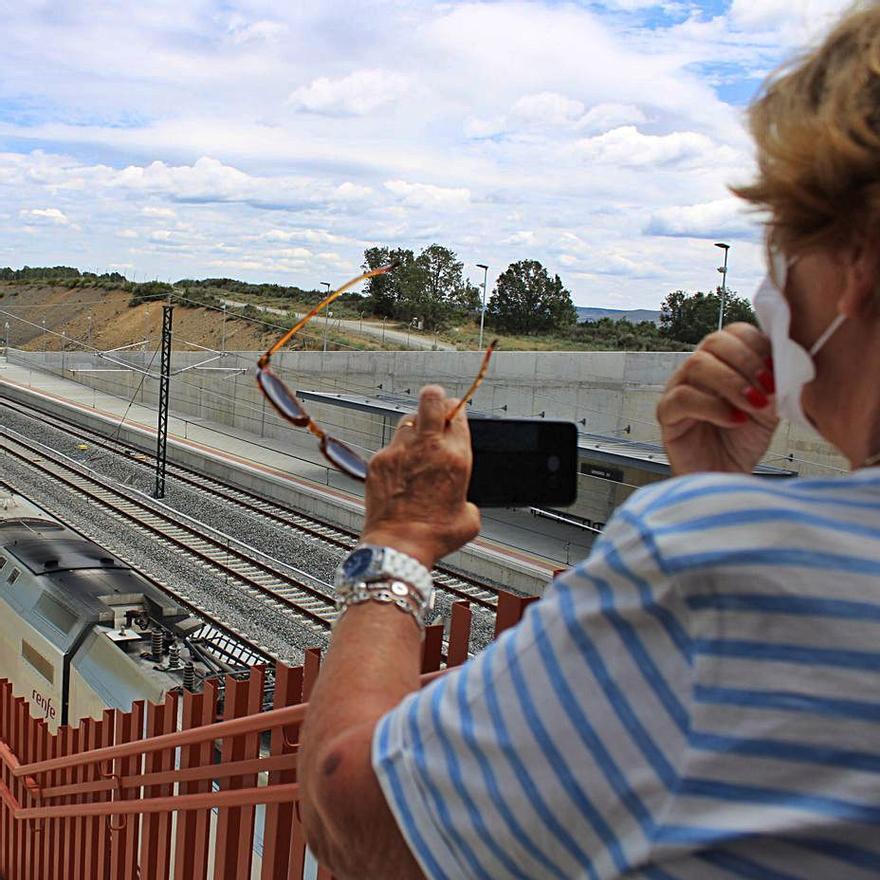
pixel 178 789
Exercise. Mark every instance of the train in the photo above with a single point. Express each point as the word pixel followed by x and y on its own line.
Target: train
pixel 80 630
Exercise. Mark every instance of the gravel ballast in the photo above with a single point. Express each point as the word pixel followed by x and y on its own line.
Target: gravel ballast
pixel 242 613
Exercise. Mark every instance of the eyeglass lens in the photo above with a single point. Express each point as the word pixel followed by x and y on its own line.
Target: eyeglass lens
pixel 345 458
pixel 281 398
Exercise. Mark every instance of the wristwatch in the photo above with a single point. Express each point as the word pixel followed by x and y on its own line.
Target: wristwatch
pixel 368 563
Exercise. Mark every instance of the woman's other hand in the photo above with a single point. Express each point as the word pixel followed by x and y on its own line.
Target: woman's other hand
pixel 717 412
pixel 416 486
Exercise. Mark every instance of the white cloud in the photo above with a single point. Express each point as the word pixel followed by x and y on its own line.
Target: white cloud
pixel 632 5
pixel 627 146
pixel 295 253
pixel 312 236
pixel 548 108
pixel 52 215
pixel 603 117
pixel 477 127
pixel 524 237
pixel 722 217
pixel 427 195
pixel 127 233
pixel 164 213
pixel 259 31
pixel 799 18
pixel 357 94
pixel 352 192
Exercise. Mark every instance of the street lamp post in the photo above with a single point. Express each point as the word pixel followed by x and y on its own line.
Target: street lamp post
pixel 723 271
pixel 485 269
pixel 6 327
pixel 326 315
pixel 223 333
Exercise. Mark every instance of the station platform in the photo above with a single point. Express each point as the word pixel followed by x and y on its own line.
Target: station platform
pixel 525 550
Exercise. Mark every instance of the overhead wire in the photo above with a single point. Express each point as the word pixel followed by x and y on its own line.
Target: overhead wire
pixel 348 384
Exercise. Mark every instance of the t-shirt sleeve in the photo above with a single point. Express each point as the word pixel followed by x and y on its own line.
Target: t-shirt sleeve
pixel 554 752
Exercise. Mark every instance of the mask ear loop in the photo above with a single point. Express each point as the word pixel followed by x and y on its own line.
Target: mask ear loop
pixel 832 329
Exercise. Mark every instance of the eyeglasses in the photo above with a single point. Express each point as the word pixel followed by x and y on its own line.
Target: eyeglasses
pixel 289 406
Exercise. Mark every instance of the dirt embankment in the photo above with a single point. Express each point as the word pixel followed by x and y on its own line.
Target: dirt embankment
pixel 39 314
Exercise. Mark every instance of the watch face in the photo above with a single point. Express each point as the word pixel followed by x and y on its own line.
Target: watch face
pixel 358 562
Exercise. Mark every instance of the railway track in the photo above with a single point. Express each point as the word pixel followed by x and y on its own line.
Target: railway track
pixel 226 643
pixel 454 583
pixel 302 599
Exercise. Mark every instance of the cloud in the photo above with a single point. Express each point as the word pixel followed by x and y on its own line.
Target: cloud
pixel 52 215
pixel 525 237
pixel 206 181
pixel 164 213
pixel 476 127
pixel 801 20
pixel 258 31
pixel 312 236
pixel 548 108
pixel 604 117
pixel 357 94
pixel 426 195
pixel 352 192
pixel 717 219
pixel 627 146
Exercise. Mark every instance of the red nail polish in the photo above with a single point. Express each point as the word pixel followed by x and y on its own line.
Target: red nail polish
pixel 765 377
pixel 739 416
pixel 755 398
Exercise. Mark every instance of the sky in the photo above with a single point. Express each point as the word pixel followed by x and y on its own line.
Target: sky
pixel 275 141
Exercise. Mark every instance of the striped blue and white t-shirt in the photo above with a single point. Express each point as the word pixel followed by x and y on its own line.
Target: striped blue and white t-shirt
pixel 698 699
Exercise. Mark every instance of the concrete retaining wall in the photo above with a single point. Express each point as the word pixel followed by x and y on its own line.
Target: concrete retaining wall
pixel 607 392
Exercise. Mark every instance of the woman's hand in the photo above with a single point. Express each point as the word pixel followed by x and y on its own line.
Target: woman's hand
pixel 416 486
pixel 717 411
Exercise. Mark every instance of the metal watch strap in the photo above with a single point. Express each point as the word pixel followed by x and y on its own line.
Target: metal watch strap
pixel 403 596
pixel 408 569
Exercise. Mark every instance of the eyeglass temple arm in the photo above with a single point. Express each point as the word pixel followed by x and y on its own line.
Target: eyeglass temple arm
pixel 484 368
pixel 323 304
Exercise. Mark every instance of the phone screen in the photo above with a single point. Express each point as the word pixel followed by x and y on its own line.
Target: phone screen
pixel 523 462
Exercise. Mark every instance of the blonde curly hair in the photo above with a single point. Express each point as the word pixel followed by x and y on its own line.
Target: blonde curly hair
pixel 816 124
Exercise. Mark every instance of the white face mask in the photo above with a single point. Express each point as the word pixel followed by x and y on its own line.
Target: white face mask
pixel 793 366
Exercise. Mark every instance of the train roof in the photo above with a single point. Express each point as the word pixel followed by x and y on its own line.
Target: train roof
pixel 59 551
pixel 16 510
pixel 70 582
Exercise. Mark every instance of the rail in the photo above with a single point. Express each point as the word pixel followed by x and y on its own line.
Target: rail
pixel 301 601
pixel 457 584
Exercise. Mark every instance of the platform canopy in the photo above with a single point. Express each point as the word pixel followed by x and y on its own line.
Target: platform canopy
pixel 599 449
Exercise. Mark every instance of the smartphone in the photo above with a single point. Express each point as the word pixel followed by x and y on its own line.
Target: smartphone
pixel 523 462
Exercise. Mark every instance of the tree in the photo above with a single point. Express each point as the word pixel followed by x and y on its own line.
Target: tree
pixel 527 300
pixel 429 288
pixel 689 318
pixel 441 291
pixel 386 291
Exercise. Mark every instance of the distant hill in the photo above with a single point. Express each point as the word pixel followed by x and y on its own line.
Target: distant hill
pixel 586 313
